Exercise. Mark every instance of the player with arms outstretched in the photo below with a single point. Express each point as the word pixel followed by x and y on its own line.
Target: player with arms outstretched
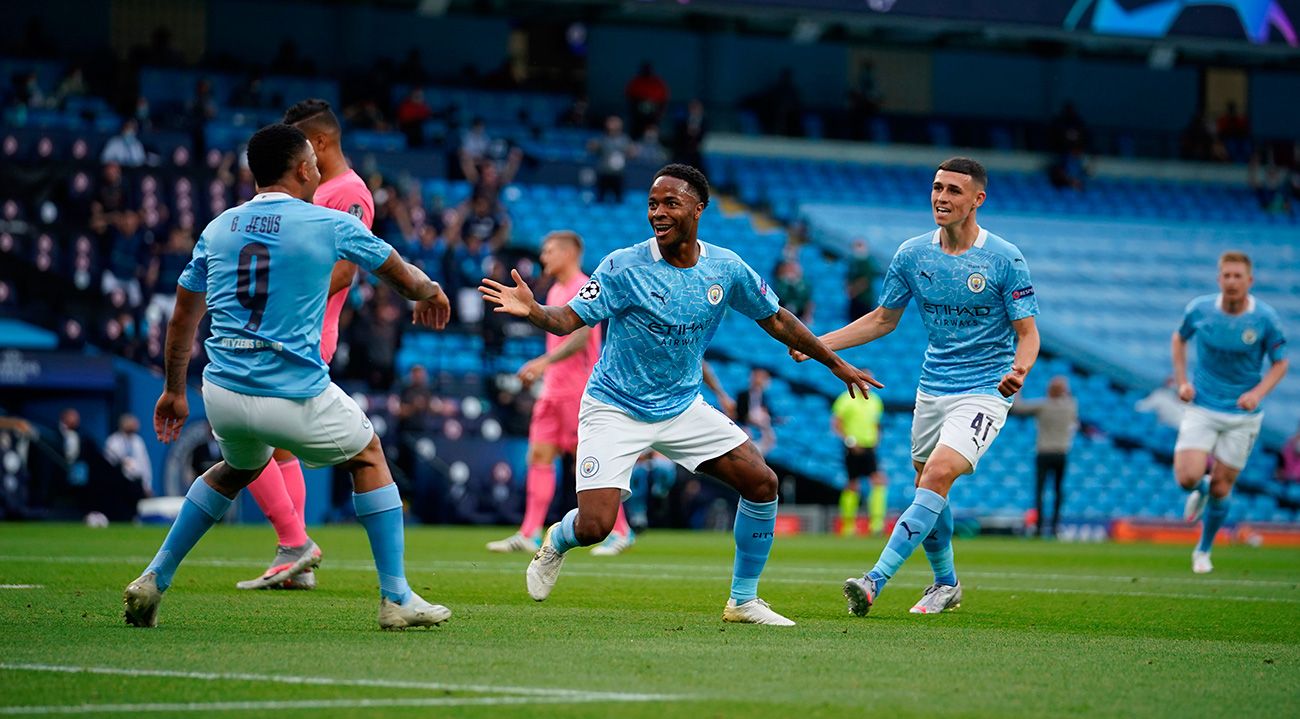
pixel 973 292
pixel 664 299
pixel 262 269
pixel 1234 333
pixel 280 491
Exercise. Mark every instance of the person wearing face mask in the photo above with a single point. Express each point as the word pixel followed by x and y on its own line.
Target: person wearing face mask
pixel 124 148
pixel 125 450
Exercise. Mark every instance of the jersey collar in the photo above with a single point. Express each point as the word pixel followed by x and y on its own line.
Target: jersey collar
pixel 1250 303
pixel 980 239
pixel 656 255
pixel 271 196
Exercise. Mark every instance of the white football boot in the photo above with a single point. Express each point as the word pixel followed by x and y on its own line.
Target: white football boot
pixel 414 613
pixel 938 598
pixel 545 568
pixel 755 611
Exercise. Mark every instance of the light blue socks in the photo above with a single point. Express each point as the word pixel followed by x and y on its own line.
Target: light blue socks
pixel 203 507
pixel 380 512
pixel 1216 511
pixel 938 549
pixel 912 528
pixel 563 538
pixel 754 531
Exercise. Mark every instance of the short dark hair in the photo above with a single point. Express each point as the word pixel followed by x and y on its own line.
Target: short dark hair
pixel 272 151
pixel 314 113
pixel 691 176
pixel 967 166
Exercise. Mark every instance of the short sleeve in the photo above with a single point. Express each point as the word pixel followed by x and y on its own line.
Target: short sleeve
pixel 1275 341
pixel 601 298
pixel 1017 290
pixel 357 244
pixel 195 275
pixel 1188 327
pixel 840 404
pixel 359 203
pixel 750 295
pixel 895 292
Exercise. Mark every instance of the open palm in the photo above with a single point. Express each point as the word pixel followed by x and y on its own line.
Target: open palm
pixel 517 300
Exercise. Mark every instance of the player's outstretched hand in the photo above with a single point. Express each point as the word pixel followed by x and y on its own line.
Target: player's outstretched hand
pixel 1012 381
pixel 169 416
pixel 859 381
pixel 1186 392
pixel 433 312
pixel 1249 401
pixel 517 300
pixel 532 370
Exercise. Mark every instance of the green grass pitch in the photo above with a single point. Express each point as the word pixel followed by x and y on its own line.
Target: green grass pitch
pixel 1046 630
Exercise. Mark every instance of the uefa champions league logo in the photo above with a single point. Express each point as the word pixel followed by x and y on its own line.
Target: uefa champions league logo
pixel 590 291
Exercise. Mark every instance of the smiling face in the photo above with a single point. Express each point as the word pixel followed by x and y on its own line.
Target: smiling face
pixel 954 196
pixel 673 210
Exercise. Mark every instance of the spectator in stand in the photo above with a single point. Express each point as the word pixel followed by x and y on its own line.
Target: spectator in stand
pixel 647 96
pixel 112 194
pixel 612 150
pixel 688 137
pixel 73 85
pixel 1234 133
pixel 1058 420
pixel 126 252
pixel 125 450
pixel 485 221
pixel 1288 469
pixel 366 115
pixel 27 90
pixel 429 253
pixel 251 95
pixel 144 120
pixel 1069 171
pixel 1068 131
pixel 165 272
pixel 860 280
pixel 1273 189
pixel 199 110
pixel 411 116
pixel 577 114
pixel 793 290
pixel 488 179
pixel 124 148
pixel 649 149
pixel 414 413
pixel 475 145
pixel 752 411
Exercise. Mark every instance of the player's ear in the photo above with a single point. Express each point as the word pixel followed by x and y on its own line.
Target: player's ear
pixel 979 198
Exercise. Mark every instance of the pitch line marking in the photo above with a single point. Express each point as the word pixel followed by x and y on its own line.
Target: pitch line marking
pixel 544 692
pixel 360 565
pixel 22 586
pixel 260 706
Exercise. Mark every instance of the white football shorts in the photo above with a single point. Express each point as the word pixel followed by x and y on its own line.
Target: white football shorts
pixel 1226 435
pixel 610 441
pixel 967 423
pixel 321 431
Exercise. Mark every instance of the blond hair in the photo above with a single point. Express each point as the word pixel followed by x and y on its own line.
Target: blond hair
pixel 1236 256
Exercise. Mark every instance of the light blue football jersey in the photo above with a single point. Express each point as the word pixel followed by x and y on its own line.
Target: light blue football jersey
pixel 1230 349
pixel 967 303
pixel 661 319
pixel 265 267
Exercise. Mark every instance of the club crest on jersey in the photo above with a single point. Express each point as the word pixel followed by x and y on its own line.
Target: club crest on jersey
pixel 589 467
pixel 356 211
pixel 976 283
pixel 590 291
pixel 1249 336
pixel 714 294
